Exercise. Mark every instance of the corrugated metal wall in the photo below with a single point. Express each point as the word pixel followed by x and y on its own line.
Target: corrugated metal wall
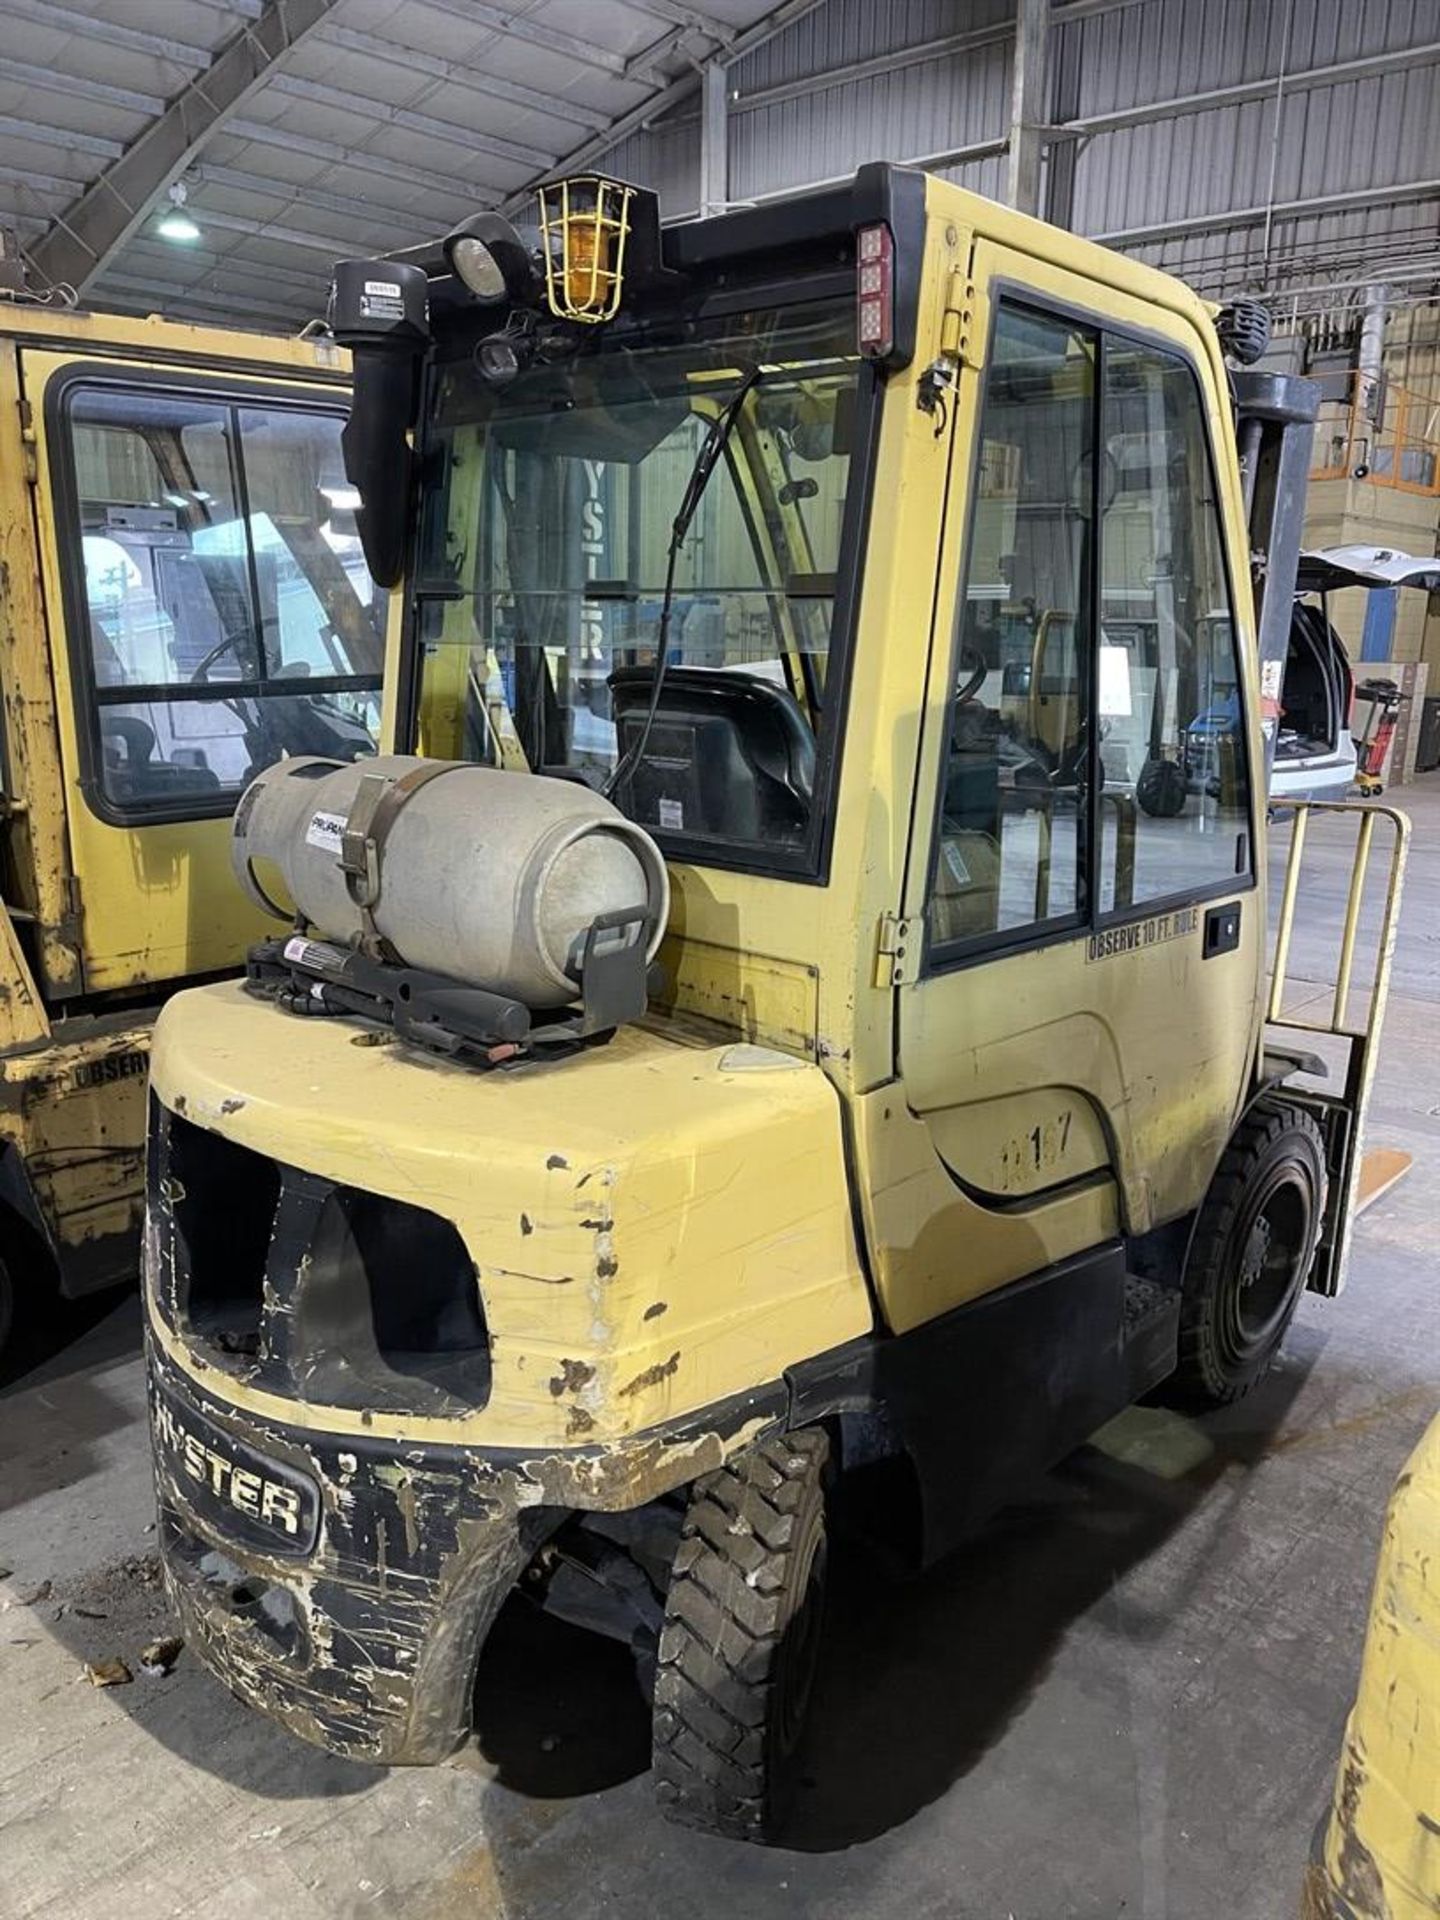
pixel 1187 191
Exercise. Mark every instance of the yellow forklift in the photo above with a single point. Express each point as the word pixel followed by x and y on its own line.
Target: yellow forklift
pixel 791 1044
pixel 183 600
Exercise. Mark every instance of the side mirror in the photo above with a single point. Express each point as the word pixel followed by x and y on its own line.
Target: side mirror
pixel 379 309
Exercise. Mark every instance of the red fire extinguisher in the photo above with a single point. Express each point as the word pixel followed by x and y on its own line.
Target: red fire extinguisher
pixel 1384 700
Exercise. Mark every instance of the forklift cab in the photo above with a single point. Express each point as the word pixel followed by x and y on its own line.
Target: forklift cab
pixel 185 600
pixel 877 552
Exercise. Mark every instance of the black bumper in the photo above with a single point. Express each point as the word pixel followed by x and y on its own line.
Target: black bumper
pixel 345 1589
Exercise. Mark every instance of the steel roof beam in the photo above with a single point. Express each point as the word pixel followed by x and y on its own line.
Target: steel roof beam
pixel 39 182
pixel 1282 210
pixel 1369 67
pixel 63 19
pixel 357 159
pixel 87 235
pixel 583 52
pixel 395 55
pixel 76 87
pixel 158 261
pixel 92 143
pixel 327 244
pixel 378 111
pixel 235 9
pixel 689 17
pixel 645 65
pixel 286 190
pixel 921 53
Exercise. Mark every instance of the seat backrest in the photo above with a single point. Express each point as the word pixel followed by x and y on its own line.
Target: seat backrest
pixel 730 756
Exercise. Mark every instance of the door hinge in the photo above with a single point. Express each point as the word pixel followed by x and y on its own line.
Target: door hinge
pixel 957 321
pixel 896 952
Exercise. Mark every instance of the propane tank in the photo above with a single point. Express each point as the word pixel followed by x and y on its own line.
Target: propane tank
pixel 490 878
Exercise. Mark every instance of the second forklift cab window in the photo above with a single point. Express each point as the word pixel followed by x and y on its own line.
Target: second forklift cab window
pixel 1012 843
pixel 1030 840
pixel 1175 810
pixel 226 617
pixel 544 554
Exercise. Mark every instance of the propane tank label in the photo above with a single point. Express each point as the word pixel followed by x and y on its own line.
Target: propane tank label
pixel 326 830
pixel 301 952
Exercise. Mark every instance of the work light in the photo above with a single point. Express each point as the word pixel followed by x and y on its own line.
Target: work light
pixel 488 258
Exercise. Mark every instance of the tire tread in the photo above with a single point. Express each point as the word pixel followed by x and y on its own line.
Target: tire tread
pixel 729 1604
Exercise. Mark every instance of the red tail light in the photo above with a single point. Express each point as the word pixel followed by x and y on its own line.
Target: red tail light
pixel 874 290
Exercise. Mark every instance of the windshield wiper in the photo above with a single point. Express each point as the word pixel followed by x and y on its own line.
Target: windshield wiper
pixel 717 438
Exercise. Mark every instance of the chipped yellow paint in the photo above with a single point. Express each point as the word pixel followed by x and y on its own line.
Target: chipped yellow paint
pixel 1380 1855
pixel 576 1187
pixel 643 1175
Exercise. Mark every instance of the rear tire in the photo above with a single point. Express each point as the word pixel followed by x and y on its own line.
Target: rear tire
pixel 1161 789
pixel 7 1308
pixel 741 1639
pixel 1251 1254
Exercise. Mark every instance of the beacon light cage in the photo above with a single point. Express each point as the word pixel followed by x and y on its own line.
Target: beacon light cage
pixel 584 226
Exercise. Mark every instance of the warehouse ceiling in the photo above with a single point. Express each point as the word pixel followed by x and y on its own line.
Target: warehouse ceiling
pixel 305 131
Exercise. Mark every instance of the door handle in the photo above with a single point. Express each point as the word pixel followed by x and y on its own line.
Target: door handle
pixel 1221 931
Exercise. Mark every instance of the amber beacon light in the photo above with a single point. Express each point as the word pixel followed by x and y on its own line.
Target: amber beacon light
pixel 584 224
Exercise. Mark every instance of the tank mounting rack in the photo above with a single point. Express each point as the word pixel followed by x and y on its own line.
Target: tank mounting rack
pixel 310 976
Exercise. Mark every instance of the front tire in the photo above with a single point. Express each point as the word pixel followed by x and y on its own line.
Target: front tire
pixel 740 1643
pixel 1251 1254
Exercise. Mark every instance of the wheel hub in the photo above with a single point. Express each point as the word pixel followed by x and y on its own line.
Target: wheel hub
pixel 1257 1252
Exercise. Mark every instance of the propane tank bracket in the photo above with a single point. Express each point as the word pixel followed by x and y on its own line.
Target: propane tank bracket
pixel 442 1016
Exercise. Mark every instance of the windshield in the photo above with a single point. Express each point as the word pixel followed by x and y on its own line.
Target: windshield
pixel 544 548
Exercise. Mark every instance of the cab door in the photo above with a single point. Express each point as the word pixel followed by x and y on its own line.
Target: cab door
pixel 209 612
pixel 1081 884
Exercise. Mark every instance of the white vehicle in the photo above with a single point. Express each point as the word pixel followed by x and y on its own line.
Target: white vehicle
pixel 1315 756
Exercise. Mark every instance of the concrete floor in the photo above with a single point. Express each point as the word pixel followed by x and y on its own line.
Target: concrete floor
pixel 1126 1701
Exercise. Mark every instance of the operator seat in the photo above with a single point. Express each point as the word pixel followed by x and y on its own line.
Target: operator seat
pixel 731 755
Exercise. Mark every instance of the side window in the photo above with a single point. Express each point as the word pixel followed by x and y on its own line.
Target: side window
pixel 221 614
pixel 1174 806
pixel 1011 848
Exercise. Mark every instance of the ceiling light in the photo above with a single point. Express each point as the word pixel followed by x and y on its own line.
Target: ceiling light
pixel 176 224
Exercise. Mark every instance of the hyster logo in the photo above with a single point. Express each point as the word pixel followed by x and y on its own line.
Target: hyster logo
pixel 249 1493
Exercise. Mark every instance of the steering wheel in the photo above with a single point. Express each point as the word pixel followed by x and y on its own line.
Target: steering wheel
pixel 230 643
pixel 973 662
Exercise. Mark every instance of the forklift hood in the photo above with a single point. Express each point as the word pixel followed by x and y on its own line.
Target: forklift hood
pixel 654 1227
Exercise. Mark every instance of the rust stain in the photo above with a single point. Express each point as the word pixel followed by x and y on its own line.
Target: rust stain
pixel 655 1309
pixel 556 1160
pixel 579 1422
pixel 651 1377
pixel 606 1267
pixel 1303 1441
pixel 527 1225
pixel 573 1375
pixel 233 1105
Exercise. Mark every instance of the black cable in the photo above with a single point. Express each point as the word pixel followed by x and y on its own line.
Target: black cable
pixel 716 439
